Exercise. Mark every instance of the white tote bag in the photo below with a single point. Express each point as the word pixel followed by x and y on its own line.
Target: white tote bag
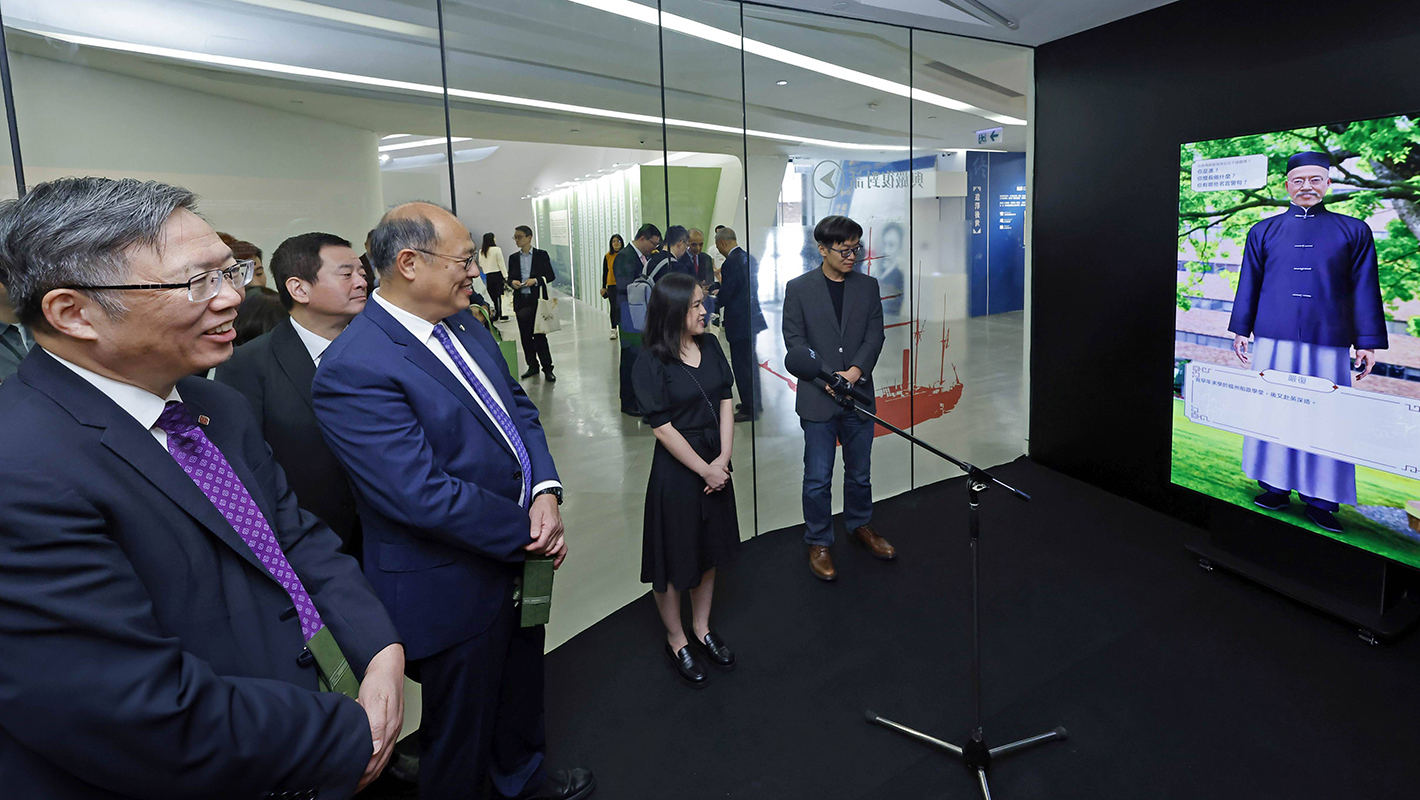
pixel 547 321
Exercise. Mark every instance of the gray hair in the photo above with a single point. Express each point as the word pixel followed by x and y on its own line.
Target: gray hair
pixel 401 230
pixel 726 234
pixel 78 231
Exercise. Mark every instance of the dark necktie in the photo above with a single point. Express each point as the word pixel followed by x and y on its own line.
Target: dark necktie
pixel 505 422
pixel 213 474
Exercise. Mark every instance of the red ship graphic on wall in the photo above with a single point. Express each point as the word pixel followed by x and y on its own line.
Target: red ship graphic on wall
pixel 904 404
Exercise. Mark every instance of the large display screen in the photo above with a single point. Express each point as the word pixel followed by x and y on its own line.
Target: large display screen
pixel 1296 357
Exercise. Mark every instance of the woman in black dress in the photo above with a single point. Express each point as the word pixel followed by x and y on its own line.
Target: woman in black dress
pixel 682 383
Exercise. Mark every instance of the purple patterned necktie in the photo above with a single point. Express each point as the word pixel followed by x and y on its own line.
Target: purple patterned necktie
pixel 500 416
pixel 212 473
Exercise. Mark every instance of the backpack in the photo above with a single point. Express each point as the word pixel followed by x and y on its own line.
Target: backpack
pixel 638 294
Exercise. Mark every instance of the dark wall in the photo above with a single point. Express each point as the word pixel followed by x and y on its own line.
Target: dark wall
pixel 1113 105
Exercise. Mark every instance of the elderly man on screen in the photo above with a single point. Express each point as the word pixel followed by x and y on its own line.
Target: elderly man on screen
pixel 165 607
pixel 1308 292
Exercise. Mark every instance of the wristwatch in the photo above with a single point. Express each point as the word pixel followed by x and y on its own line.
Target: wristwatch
pixel 555 491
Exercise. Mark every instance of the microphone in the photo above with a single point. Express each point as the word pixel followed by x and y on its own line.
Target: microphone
pixel 802 362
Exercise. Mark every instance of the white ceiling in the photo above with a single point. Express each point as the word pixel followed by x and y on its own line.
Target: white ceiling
pixel 1040 21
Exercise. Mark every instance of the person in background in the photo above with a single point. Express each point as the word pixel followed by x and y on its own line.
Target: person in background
pixel 887 268
pixel 529 273
pixel 739 306
pixel 839 313
pixel 246 251
pixel 456 489
pixel 149 651
pixel 372 277
pixel 318 281
pixel 490 262
pixel 674 255
pixel 609 280
pixel 15 340
pixel 260 311
pixel 630 263
pixel 683 389
pixel 703 269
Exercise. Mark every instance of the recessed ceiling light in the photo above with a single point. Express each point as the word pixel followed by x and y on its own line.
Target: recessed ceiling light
pixel 781 83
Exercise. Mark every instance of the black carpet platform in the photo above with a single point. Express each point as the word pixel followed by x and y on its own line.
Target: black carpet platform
pixel 1173 682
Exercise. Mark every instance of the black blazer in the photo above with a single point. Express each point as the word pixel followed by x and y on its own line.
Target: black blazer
pixel 275 371
pixel 517 271
pixel 739 296
pixel 854 341
pixel 145 651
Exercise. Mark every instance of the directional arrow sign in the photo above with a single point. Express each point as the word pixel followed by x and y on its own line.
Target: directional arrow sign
pixel 825 179
pixel 990 136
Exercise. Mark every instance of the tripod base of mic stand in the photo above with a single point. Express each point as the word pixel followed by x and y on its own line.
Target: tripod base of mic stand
pixel 975 755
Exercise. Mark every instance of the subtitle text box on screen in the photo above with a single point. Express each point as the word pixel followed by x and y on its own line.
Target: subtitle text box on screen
pixel 1307 413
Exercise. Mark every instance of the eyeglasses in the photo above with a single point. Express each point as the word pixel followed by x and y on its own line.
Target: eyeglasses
pixel 855 252
pixel 200 288
pixel 1315 180
pixel 463 262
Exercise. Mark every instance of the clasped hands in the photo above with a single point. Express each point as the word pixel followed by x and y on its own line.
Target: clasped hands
pixel 1366 358
pixel 545 525
pixel 716 474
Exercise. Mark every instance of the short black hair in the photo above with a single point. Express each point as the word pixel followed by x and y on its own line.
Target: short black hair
pixel 836 229
pixel 675 234
pixel 647 231
pixel 665 315
pixel 299 257
pixel 524 230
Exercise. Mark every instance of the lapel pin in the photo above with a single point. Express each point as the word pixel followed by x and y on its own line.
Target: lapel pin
pixel 202 419
pixel 460 326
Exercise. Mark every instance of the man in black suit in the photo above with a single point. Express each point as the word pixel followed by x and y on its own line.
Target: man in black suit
pixel 738 300
pixel 529 273
pixel 628 265
pixel 704 265
pixel 158 583
pixel 319 279
pixel 838 313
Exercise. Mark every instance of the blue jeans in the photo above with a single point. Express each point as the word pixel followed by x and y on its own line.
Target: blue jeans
pixel 820 443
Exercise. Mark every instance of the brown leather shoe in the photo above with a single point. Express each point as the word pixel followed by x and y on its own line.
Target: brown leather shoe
pixel 867 537
pixel 821 563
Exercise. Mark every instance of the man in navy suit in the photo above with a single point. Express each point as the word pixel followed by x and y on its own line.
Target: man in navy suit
pixel 739 303
pixel 455 487
pixel 158 582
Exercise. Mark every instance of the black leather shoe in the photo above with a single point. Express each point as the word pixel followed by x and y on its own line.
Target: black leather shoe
pixel 564 784
pixel 531 372
pixel 1272 501
pixel 720 655
pixel 686 667
pixel 549 376
pixel 1323 519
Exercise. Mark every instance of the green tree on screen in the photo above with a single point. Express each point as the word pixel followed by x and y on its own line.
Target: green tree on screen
pixel 1386 168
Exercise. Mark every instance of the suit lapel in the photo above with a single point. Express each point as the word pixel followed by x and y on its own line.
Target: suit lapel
pixel 464 330
pixel 295 360
pixel 125 438
pixel 418 353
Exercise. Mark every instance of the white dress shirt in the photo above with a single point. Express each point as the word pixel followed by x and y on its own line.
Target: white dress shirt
pixel 314 342
pixel 141 404
pixel 423 330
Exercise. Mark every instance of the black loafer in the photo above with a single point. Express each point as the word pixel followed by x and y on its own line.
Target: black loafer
pixel 720 655
pixel 564 784
pixel 686 667
pixel 1272 501
pixel 530 373
pixel 1323 519
pixel 550 377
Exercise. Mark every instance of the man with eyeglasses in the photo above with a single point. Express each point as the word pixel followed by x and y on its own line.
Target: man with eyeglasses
pixel 319 280
pixel 457 490
pixel 529 273
pixel 839 313
pixel 1308 292
pixel 165 606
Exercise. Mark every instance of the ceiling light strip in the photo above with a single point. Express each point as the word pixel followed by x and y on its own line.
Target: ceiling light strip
pixel 699 30
pixel 424 88
pixel 386 148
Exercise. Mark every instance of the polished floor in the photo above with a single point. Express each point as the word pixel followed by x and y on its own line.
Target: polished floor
pixel 604 457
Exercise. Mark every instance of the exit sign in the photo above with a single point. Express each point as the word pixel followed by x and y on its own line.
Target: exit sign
pixel 990 136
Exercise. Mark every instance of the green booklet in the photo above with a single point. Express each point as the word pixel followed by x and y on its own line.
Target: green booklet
pixel 534 592
pixel 332 669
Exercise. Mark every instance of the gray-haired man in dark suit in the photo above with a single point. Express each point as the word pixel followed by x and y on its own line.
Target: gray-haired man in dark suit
pixel 838 313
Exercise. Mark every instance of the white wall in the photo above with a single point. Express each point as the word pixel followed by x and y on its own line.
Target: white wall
pixel 261 174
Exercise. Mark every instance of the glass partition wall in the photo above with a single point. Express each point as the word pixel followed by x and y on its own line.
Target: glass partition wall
pixel 583 119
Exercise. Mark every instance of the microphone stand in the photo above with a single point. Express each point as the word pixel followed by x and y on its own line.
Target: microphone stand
pixel 975 754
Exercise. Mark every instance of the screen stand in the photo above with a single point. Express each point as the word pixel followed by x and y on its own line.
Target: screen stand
pixel 1378 597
